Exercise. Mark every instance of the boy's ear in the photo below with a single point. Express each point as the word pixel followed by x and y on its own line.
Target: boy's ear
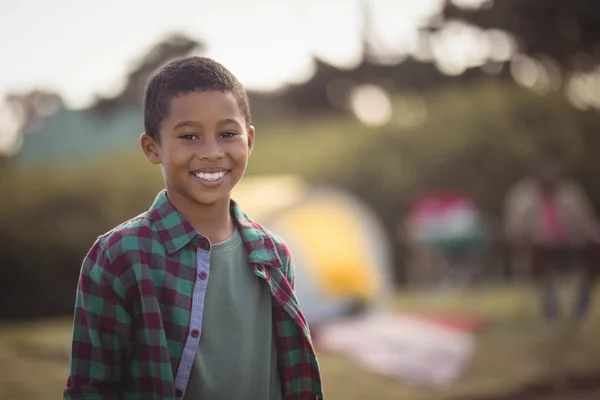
pixel 150 148
pixel 251 134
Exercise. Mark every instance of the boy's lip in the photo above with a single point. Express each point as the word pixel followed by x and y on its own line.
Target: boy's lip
pixel 210 170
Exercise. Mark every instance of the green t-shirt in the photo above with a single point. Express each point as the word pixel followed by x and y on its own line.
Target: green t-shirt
pixel 236 358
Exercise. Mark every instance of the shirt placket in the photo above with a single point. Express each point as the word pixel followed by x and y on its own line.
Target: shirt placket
pixel 196 313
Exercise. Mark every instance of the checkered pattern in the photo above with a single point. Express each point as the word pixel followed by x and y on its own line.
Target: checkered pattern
pixel 133 304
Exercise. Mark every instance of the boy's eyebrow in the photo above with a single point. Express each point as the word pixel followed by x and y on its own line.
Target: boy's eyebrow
pixel 229 121
pixel 183 124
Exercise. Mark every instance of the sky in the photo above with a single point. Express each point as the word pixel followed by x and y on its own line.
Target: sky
pixel 81 48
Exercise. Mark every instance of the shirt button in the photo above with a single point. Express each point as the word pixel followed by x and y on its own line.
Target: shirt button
pixel 178 393
pixel 203 275
pixel 195 333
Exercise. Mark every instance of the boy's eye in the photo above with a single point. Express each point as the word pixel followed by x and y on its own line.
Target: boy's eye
pixel 188 136
pixel 228 134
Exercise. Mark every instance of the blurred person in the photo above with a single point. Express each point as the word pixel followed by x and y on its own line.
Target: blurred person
pixel 192 299
pixel 550 222
pixel 446 236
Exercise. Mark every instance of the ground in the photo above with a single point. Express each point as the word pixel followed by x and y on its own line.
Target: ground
pixel 514 352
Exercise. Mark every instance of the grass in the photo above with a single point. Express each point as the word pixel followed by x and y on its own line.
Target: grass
pixel 33 359
pixel 514 350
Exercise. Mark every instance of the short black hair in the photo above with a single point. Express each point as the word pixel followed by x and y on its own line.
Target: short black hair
pixel 186 75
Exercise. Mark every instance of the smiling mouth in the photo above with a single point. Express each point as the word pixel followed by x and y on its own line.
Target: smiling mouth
pixel 210 176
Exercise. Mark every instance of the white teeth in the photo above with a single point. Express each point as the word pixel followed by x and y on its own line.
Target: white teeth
pixel 211 177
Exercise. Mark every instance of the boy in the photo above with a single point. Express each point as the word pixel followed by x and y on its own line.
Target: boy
pixel 192 299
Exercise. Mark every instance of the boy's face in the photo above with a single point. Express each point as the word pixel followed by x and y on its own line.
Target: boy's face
pixel 203 149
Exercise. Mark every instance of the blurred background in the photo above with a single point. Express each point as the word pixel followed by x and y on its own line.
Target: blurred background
pixel 433 165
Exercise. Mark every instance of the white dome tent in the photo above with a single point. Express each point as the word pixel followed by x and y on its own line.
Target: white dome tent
pixel 341 252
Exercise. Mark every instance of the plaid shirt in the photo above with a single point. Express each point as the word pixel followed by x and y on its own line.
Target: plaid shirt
pixel 134 308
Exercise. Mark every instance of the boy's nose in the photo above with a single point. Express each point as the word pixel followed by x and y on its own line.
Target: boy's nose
pixel 210 150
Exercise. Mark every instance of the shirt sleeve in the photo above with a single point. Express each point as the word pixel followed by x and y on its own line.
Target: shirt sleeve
pixel 291 272
pixel 285 255
pixel 101 330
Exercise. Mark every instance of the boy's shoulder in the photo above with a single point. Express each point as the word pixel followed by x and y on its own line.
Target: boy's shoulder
pixel 260 237
pixel 282 248
pixel 128 235
pixel 283 253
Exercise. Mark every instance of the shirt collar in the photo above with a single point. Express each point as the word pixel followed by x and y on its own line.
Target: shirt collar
pixel 176 232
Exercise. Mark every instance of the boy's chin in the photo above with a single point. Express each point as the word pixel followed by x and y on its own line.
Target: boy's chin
pixel 211 199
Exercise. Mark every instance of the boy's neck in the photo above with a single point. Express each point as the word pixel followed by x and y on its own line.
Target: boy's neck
pixel 213 221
